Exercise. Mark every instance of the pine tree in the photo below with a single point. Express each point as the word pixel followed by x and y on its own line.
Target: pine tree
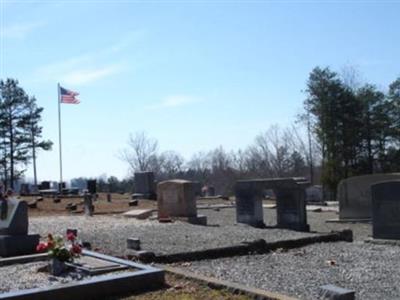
pixel 19 134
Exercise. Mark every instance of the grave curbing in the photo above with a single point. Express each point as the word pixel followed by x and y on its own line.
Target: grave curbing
pixel 255 247
pixel 235 288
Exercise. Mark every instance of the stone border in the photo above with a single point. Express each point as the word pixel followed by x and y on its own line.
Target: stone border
pixel 343 221
pixel 258 247
pixel 110 285
pixel 234 288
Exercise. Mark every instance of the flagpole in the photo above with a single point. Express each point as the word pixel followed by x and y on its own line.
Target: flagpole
pixel 59 137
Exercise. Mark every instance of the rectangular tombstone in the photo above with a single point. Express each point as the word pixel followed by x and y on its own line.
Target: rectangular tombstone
pixel 291 208
pixel 354 195
pixel 176 198
pixel 44 185
pixel 144 183
pixel 386 210
pixel 91 186
pixel 249 208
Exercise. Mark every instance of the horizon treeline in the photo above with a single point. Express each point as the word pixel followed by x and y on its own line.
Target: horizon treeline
pixel 346 129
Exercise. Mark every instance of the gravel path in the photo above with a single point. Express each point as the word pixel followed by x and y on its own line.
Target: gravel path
pixel 109 233
pixel 373 271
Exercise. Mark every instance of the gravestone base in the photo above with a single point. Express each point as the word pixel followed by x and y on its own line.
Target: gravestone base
pixel 14 245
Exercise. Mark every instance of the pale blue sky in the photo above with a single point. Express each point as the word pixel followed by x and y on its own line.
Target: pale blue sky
pixel 192 74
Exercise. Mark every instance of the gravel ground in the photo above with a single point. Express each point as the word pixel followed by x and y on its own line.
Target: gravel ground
pixel 26 276
pixel 373 271
pixel 109 233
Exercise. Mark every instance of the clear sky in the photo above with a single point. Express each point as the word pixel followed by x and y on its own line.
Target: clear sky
pixel 192 74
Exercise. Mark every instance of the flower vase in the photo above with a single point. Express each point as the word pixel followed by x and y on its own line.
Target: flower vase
pixel 57 267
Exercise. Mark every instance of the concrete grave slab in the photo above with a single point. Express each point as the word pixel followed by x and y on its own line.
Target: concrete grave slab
pixel 141 277
pixel 140 214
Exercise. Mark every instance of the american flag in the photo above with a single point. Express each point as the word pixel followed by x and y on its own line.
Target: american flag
pixel 69 97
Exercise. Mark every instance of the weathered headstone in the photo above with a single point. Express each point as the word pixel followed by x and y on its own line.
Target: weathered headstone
pixel 314 193
pixel 144 184
pixel 14 237
pixel 108 197
pixel 386 210
pixel 88 204
pixel 176 199
pixel 290 202
pixel 354 195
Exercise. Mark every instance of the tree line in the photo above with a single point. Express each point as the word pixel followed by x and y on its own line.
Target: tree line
pixel 356 126
pixel 20 132
pixel 351 129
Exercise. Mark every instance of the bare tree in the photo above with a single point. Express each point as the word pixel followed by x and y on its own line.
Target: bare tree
pixel 141 153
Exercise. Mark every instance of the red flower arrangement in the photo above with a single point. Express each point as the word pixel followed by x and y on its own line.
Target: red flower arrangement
pixel 59 249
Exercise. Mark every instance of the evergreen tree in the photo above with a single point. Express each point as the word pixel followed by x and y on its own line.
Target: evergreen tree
pixel 19 132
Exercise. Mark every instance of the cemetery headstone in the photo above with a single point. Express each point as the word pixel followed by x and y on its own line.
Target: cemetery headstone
pixel 176 199
pixel 133 243
pixel 290 202
pixel 44 185
pixel 14 237
pixel 314 193
pixel 386 210
pixel 354 195
pixel 108 197
pixel 144 184
pixel 25 189
pixel 88 204
pixel 249 209
pixel 133 203
pixel 91 186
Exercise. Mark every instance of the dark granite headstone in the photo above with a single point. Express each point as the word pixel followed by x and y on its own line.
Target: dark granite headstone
pixel 290 200
pixel 144 184
pixel 14 238
pixel 386 210
pixel 44 185
pixel 291 208
pixel 16 221
pixel 249 208
pixel 91 186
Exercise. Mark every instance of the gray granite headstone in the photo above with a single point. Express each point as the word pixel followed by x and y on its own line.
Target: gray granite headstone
pixel 144 184
pixel 386 210
pixel 14 237
pixel 354 195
